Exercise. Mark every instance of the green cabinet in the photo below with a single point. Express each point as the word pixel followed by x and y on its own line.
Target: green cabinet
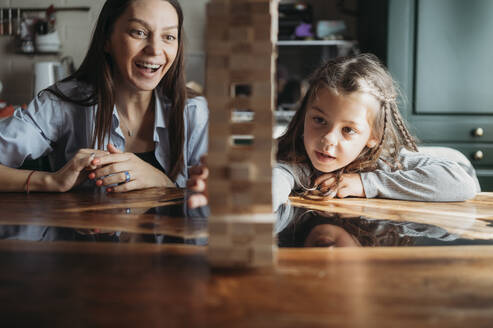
pixel 440 53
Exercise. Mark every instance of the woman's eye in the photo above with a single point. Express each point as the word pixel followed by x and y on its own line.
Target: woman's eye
pixel 170 37
pixel 348 130
pixel 138 34
pixel 318 120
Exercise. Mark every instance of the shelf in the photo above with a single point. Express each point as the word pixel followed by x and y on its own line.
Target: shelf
pixel 344 43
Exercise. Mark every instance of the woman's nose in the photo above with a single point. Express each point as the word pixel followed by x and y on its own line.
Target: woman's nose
pixel 154 46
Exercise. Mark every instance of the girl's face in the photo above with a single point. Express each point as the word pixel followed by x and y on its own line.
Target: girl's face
pixel 144 44
pixel 338 127
pixel 327 235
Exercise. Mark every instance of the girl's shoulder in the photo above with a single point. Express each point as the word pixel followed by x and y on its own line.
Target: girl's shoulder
pixel 301 173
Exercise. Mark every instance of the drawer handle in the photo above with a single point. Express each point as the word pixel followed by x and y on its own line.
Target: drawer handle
pixel 478 155
pixel 478 132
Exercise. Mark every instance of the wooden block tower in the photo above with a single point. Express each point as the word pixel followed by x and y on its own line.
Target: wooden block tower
pixel 241 37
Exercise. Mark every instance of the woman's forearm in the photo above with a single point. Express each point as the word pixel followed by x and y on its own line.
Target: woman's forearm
pixel 15 180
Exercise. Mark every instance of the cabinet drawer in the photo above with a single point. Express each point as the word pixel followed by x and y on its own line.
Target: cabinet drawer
pixel 480 155
pixel 440 129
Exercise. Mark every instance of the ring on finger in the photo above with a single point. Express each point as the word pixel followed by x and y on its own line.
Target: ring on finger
pixel 127 176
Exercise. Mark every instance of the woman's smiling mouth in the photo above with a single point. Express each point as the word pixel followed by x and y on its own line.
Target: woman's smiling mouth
pixel 147 67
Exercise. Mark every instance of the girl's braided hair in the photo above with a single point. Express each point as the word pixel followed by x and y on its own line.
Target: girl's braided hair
pixel 363 73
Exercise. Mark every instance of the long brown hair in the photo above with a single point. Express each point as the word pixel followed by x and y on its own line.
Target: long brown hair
pixel 365 73
pixel 96 71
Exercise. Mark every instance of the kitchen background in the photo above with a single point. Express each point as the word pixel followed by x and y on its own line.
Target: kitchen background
pixel 74 29
pixel 438 51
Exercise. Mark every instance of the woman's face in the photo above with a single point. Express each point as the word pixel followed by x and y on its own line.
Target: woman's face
pixel 144 44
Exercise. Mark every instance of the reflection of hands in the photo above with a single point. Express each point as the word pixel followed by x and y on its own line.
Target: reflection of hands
pixel 198 184
pixel 73 173
pixel 113 170
pixel 350 185
pixel 94 231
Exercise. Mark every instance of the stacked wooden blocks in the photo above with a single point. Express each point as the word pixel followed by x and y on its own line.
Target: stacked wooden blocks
pixel 241 37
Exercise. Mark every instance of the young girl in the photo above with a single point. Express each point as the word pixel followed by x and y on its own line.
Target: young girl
pixel 348 139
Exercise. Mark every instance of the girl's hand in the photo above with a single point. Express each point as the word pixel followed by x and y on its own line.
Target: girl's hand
pixel 75 171
pixel 197 184
pixel 350 185
pixel 126 172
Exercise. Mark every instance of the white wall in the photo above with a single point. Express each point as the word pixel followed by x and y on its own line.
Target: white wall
pixel 75 29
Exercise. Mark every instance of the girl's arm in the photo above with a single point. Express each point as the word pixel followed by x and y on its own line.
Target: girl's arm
pixel 423 178
pixel 282 185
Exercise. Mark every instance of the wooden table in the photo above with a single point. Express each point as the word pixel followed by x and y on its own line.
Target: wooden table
pixel 80 284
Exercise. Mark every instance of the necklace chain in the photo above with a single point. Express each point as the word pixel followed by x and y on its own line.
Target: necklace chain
pixel 130 133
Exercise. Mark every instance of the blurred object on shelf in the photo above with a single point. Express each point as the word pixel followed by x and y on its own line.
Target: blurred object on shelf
pixel 47 39
pixel 7 111
pixel 47 73
pixel 50 18
pixel 9 21
pixel 291 16
pixel 25 39
pixel 304 32
pixel 331 29
pixel 291 94
pixel 195 87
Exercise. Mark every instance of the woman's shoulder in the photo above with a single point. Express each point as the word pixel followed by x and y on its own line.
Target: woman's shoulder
pixel 71 89
pixel 196 109
pixel 198 103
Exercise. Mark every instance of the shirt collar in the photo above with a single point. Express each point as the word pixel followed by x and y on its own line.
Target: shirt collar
pixel 159 115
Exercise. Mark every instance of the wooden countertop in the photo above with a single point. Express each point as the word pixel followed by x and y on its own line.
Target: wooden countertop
pixel 140 284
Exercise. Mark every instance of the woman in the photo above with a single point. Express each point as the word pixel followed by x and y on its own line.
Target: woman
pixel 124 119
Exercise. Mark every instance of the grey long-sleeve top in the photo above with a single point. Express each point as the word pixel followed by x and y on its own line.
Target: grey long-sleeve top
pixel 423 178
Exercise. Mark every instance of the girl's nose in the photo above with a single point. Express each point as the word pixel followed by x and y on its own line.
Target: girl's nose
pixel 329 139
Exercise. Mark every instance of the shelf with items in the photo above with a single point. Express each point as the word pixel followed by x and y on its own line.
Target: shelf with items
pixel 310 33
pixel 344 43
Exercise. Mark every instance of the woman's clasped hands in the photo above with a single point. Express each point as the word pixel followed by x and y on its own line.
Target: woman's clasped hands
pixel 122 171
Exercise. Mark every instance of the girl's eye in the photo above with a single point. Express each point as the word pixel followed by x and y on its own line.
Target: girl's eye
pixel 138 34
pixel 348 130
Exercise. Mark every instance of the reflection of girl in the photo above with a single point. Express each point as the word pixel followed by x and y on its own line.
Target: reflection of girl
pixel 125 113
pixel 349 139
pixel 319 229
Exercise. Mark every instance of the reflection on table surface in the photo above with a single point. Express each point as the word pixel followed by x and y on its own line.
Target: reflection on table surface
pixel 126 269
pixel 159 216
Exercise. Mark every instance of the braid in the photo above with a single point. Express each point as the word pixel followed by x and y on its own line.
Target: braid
pixel 410 142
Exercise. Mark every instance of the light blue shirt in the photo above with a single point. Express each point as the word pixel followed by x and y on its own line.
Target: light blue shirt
pixel 53 127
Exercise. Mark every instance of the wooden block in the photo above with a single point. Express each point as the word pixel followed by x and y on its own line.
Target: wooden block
pixel 242 128
pixel 243 34
pixel 254 48
pixel 218 62
pixel 216 47
pixel 243 228
pixel 218 145
pixel 248 76
pixel 241 171
pixel 230 257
